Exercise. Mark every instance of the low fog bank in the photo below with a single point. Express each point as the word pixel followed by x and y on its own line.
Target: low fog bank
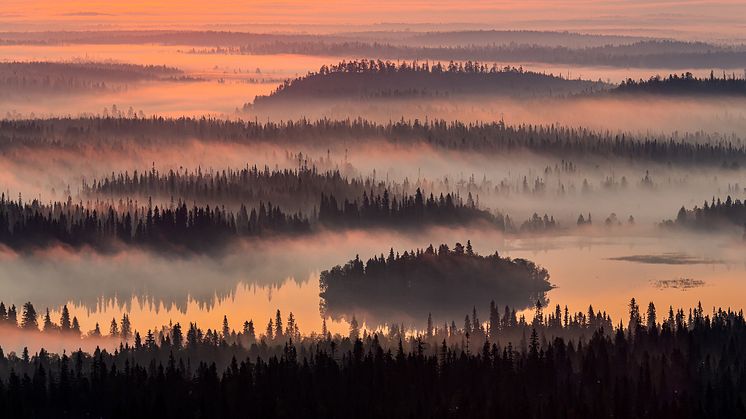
pixel 594 265
pixel 57 276
pixel 641 113
pixel 517 184
pixel 14 340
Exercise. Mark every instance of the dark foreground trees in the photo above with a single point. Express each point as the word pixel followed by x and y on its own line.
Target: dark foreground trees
pixel 677 368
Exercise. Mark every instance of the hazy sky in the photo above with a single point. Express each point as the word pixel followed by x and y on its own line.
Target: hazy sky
pixel 685 18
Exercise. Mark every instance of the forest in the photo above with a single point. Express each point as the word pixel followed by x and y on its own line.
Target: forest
pixel 74 77
pixel 371 79
pixel 409 284
pixel 76 134
pixel 656 366
pixel 553 47
pixel 105 225
pixel 406 212
pixel 715 215
pixel 640 54
pixel 174 226
pixel 298 188
pixel 368 79
pixel 686 84
pixel 389 209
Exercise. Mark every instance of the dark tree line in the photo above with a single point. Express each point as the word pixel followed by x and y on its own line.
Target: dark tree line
pixel 235 38
pixel 448 280
pixel 640 54
pixel 494 137
pixel 406 210
pixel 414 211
pixel 104 225
pixel 712 215
pixel 674 368
pixel 685 84
pixel 53 77
pixel 289 188
pixel 371 78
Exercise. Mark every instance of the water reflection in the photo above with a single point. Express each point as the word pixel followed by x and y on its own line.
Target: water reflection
pixel 253 282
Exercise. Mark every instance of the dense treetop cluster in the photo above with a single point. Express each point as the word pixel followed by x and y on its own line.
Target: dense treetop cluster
pixel 677 367
pixel 105 225
pixel 687 84
pixel 489 137
pixel 712 215
pixel 446 280
pixel 365 79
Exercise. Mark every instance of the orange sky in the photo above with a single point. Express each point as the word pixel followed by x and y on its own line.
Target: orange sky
pixel 722 18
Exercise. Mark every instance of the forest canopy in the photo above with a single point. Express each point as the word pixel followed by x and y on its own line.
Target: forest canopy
pixel 366 79
pixel 445 282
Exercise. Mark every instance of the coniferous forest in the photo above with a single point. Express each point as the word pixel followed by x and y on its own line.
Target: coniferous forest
pixel 372 210
pixel 679 365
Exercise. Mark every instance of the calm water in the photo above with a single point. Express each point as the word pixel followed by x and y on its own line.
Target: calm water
pixel 604 271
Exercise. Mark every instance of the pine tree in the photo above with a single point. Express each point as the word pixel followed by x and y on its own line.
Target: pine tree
pixel 354 329
pixel 278 325
pixel 226 329
pixel 249 330
pixel 13 316
pixel 469 249
pixel 114 328
pixel 291 327
pixel 494 321
pixel 324 331
pixel 177 337
pixel 48 325
pixel 150 340
pixel 270 330
pixel 652 318
pixel 28 319
pixel 126 329
pixel 75 326
pixel 635 321
pixel 65 323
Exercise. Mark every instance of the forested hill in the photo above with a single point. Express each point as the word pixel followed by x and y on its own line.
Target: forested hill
pixel 444 282
pixel 687 84
pixel 379 79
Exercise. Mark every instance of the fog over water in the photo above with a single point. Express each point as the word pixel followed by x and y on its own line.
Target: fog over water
pixel 251 281
pixel 625 253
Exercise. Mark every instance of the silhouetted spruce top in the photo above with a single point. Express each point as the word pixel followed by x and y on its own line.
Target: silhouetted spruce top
pixel 369 78
pixel 443 281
